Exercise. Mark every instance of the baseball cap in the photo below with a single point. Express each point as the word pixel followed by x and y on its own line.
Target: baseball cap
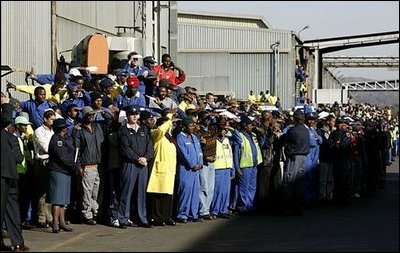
pixel 71 86
pixel 121 72
pixel 130 110
pixel 132 81
pixel 145 115
pixel 75 72
pixel 59 123
pixel 245 120
pixel 87 110
pixel 22 120
pixel 187 121
pixel 106 82
pixel 95 95
pixel 149 59
pixel 298 113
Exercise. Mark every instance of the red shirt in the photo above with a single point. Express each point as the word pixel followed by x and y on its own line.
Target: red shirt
pixel 170 75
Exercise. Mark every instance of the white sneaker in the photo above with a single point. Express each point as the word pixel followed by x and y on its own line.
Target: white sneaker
pixel 115 223
pixel 129 223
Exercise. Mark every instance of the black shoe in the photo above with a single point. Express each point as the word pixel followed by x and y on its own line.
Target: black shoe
pixel 170 222
pixel 27 226
pixel 197 220
pixel 223 216
pixel 206 217
pixel 145 225
pixel 123 226
pixel 181 220
pixel 90 222
pixel 158 223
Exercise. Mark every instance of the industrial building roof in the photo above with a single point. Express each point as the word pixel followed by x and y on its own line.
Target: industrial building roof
pixel 228 19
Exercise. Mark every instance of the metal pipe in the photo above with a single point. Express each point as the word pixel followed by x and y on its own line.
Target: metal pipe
pixel 274 47
pixel 53 37
pixel 158 31
pixel 316 72
pixel 169 27
pixel 149 29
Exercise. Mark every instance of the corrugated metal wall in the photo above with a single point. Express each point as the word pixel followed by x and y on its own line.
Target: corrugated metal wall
pixel 99 14
pixel 329 81
pixel 208 72
pixel 224 73
pixel 164 16
pixel 76 20
pixel 23 45
pixel 220 21
pixel 196 37
pixel 243 56
pixel 256 72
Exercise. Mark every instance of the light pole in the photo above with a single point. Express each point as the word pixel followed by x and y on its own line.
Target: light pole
pixel 302 29
pixel 275 49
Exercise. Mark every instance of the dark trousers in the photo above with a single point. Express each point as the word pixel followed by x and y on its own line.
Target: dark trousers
pixel 26 194
pixel 342 181
pixel 40 211
pixel 113 192
pixel 160 209
pixel 262 190
pixel 10 210
pixel 275 189
pixel 293 183
pixel 73 211
pixel 133 176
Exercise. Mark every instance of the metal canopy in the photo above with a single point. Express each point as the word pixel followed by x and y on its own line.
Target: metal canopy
pixel 360 62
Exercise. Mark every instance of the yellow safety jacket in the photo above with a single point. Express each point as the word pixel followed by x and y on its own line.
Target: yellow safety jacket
pixel 223 156
pixel 246 156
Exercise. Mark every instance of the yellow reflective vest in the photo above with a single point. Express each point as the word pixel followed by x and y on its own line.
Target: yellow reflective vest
pixel 223 156
pixel 246 156
pixel 21 167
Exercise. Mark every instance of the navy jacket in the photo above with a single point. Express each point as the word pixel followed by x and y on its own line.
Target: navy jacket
pixel 62 154
pixel 297 140
pixel 10 155
pixel 135 144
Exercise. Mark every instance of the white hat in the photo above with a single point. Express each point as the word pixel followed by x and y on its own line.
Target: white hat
pixel 75 72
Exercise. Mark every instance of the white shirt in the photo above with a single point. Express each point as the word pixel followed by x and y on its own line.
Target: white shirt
pixel 41 141
pixel 134 127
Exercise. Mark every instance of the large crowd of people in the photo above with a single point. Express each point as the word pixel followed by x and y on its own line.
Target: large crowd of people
pixel 135 148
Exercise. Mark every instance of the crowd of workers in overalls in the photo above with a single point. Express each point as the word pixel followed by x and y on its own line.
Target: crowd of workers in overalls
pixel 134 148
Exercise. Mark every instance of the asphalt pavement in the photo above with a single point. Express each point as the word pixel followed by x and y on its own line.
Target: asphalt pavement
pixel 370 224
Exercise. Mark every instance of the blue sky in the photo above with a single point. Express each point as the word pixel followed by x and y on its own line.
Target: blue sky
pixel 326 19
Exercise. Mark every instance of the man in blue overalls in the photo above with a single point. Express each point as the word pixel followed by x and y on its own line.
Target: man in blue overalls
pixel 190 161
pixel 246 159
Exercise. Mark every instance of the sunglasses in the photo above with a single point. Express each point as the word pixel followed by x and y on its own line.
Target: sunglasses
pixel 135 59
